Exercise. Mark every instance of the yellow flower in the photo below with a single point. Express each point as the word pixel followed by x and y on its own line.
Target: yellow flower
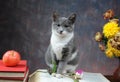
pixel 110 29
pixel 111 52
pixel 116 52
pixel 109 44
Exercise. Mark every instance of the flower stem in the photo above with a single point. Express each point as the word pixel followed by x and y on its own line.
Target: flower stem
pixel 76 80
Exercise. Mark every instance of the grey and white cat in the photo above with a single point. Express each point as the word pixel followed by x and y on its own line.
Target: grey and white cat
pixel 62 49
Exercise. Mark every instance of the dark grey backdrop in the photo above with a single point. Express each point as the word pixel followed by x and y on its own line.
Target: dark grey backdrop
pixel 25 26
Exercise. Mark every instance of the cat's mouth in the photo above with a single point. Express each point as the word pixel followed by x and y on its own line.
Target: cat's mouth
pixel 61 33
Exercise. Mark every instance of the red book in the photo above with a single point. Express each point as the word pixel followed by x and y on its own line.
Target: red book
pixel 16 79
pixel 26 74
pixel 15 72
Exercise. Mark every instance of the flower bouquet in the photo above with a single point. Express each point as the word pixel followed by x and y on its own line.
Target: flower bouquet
pixel 109 38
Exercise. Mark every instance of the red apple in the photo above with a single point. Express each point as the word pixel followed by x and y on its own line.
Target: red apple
pixel 11 58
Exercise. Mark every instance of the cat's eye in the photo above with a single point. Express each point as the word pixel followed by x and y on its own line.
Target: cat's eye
pixel 58 25
pixel 66 26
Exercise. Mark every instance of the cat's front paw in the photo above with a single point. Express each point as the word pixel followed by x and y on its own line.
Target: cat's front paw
pixel 53 74
pixel 57 75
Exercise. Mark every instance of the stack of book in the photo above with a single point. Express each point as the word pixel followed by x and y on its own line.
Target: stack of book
pixel 17 73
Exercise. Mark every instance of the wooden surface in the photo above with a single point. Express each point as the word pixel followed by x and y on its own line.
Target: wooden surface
pixel 25 26
pixel 112 78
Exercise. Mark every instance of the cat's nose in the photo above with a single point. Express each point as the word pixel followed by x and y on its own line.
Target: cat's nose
pixel 61 32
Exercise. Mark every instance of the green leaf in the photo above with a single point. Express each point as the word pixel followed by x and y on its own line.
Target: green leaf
pixel 54 69
pixel 105 40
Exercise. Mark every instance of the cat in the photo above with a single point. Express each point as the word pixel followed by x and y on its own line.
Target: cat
pixel 62 49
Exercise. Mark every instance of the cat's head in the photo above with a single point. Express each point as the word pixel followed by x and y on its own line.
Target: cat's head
pixel 63 26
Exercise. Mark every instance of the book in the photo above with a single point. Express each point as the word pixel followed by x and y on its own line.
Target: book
pixel 93 77
pixel 25 79
pixel 42 76
pixel 16 77
pixel 16 71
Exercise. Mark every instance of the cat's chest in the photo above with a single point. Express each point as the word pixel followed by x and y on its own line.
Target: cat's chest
pixel 57 48
pixel 58 45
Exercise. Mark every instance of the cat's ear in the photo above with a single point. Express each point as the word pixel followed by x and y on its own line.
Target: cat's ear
pixel 72 18
pixel 55 16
